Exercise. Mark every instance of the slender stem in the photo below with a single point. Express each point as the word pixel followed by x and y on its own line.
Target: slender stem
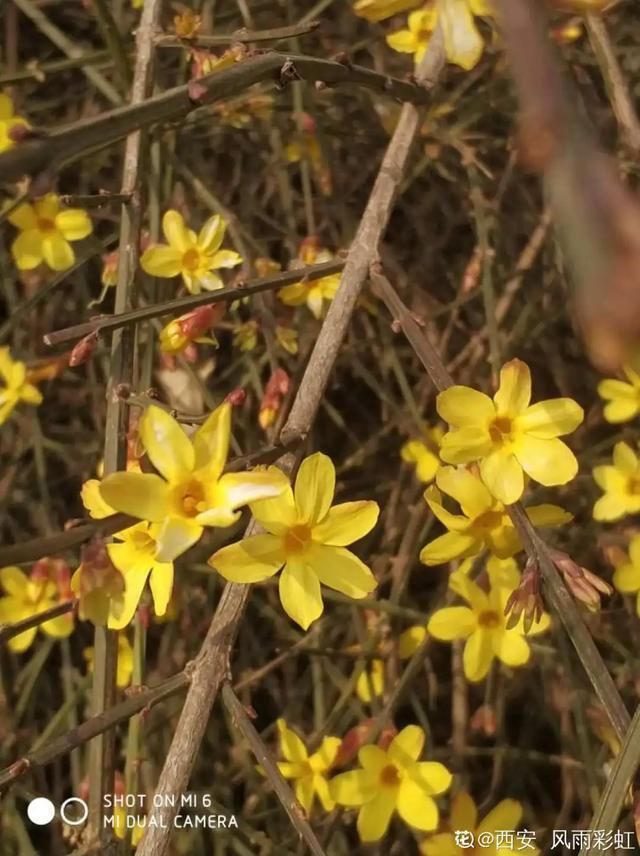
pixel 242 36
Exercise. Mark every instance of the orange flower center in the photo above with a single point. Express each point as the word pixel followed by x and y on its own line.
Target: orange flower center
pixel 501 430
pixel 633 485
pixel 191 260
pixel 297 539
pixel 190 498
pixel 489 619
pixel 46 225
pixel 389 776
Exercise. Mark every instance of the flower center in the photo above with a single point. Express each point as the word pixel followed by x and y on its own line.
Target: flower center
pixel 489 520
pixel 501 430
pixel 389 776
pixel 489 619
pixel 297 539
pixel 633 485
pixel 191 260
pixel 190 498
pixel 46 225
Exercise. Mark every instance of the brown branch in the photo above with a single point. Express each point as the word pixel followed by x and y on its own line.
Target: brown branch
pixel 560 599
pixel 277 781
pixel 108 323
pixel 212 665
pixel 241 36
pixel 8 631
pixel 48 152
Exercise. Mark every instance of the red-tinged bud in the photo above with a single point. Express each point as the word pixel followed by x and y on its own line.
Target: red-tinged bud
pixel 21 132
pixel 307 123
pixel 386 736
pixel 484 721
pixel 199 320
pixel 118 784
pixel 56 570
pixel 275 390
pixel 83 791
pixel 585 586
pixel 352 742
pixel 236 397
pixel 83 350
pixel 309 249
pixel 526 600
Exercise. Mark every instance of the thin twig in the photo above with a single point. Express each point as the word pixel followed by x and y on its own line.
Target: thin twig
pixel 242 36
pixel 8 631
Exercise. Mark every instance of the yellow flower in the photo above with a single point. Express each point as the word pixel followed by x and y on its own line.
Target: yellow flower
pixel 424 453
pixel 8 121
pixel 503 818
pixel 308 771
pixel 626 577
pixel 45 233
pixel 98 585
pixel 190 327
pixel 507 435
pixel 287 338
pixel 14 385
pixel 620 482
pixel 393 781
pixel 483 625
pixel 245 336
pixel 27 596
pixel 191 491
pixel 135 556
pixel 410 640
pixel 193 256
pixel 378 10
pixel 125 661
pixel 370 683
pixel 121 814
pixel 308 537
pixel 462 42
pixel 484 522
pixel 315 292
pixel 623 398
pixel 503 572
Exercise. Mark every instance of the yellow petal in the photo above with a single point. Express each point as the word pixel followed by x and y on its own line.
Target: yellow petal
pixel 410 640
pixel 614 389
pixel 353 788
pixel 455 522
pixel 463 406
pixel 278 514
pixel 471 494
pixel 465 445
pixel 291 745
pixel 452 622
pixel 548 515
pixel 93 501
pixel 551 418
pixel 6 107
pixel 346 523
pixel 142 495
pixel 225 259
pixel 374 817
pixel 442 844
pixel 370 683
pixel 74 223
pixel 341 570
pixel 549 462
pixel 176 232
pixel 58 628
pixel 57 252
pixel 321 786
pixel 626 578
pixel 294 294
pixel 403 41
pixel 237 489
pixel 427 462
pixel 13 581
pixel 378 10
pixel 452 545
pixel 161 585
pixel 174 537
pixel 121 612
pixel 505 816
pixel 299 589
pixel 27 249
pixel 502 474
pixel 514 393
pixel 211 234
pixel 621 410
pixel 478 655
pixel 464 814
pixel 462 41
pixel 314 488
pixel 510 647
pixel 23 217
pixel 211 441
pixel 47 206
pixel 304 792
pixel 415 807
pixel 168 447
pixel 407 746
pixel 610 507
pixel 625 459
pixel 249 561
pixel 161 261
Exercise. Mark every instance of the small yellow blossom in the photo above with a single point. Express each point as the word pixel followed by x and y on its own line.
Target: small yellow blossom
pixel 187 24
pixel 462 42
pixel 125 661
pixel 135 556
pixel 245 335
pixel 313 293
pixel 14 385
pixel 27 596
pixel 378 10
pixel 620 482
pixel 484 626
pixel 309 537
pixel 424 453
pixel 98 585
pixel 504 818
pixel 190 327
pixel 121 813
pixel 484 522
pixel 195 257
pixel 46 232
pixel 507 435
pixel 626 577
pixel 191 491
pixel 391 781
pixel 287 338
pixel 8 121
pixel 308 771
pixel 410 640
pixel 370 683
pixel 623 398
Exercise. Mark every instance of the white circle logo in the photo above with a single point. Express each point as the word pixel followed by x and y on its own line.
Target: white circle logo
pixel 41 811
pixel 74 821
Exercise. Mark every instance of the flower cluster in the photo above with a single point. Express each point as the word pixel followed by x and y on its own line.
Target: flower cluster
pixel 314 292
